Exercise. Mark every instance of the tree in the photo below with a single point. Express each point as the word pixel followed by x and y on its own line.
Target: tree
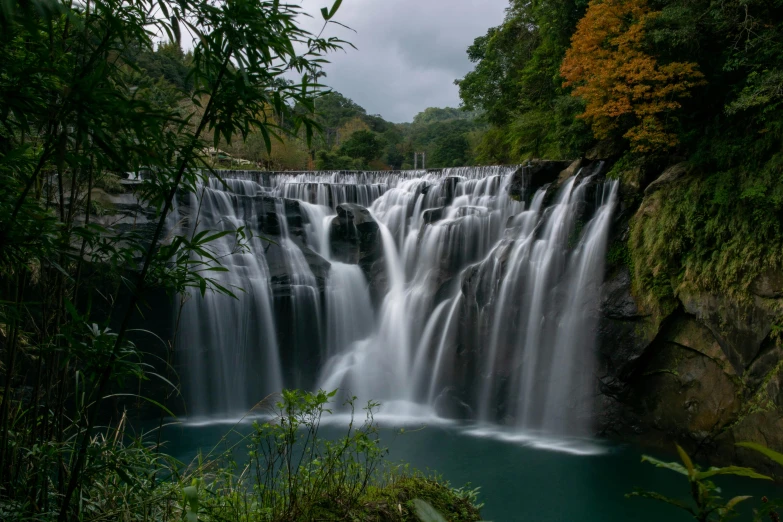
pixel 436 114
pixel 334 109
pixel 350 127
pixel 452 150
pixel 76 107
pixel 516 80
pixel 500 56
pixel 364 145
pixel 624 87
pixel 334 161
pixel 170 63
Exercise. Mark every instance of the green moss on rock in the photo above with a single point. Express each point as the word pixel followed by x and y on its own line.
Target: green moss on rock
pixel 717 232
pixel 394 502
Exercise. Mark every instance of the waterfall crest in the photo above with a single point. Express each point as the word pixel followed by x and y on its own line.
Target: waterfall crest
pixel 463 293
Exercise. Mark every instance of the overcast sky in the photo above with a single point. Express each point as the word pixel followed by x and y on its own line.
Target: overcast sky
pixel 409 52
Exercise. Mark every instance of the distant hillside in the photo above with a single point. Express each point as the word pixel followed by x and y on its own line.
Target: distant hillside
pixel 350 138
pixel 353 139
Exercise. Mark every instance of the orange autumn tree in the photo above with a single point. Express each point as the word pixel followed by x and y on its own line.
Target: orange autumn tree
pixel 622 85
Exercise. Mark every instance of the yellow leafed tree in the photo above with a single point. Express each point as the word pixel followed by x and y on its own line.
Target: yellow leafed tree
pixel 353 125
pixel 622 85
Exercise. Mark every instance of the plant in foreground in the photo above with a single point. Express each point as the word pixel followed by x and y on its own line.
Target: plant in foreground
pixel 293 472
pixel 707 504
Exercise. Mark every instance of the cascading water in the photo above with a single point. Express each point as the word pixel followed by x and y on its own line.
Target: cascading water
pixel 431 292
pixel 228 343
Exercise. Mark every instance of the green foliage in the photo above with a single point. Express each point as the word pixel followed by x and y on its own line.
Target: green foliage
pixel 769 453
pixel 716 232
pixel 707 504
pixel 333 161
pixel 363 145
pixel 516 84
pixel 84 95
pixel 294 474
pixel 169 63
pixel 436 114
pixel 442 133
pixel 110 183
pixel 451 151
pixel 619 255
pixel 721 223
pixel 715 228
pixel 122 479
pixel 288 472
pixel 335 110
pixel 445 142
pixel 400 497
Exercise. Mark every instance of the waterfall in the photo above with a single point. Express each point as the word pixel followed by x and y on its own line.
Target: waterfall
pixel 444 292
pixel 229 345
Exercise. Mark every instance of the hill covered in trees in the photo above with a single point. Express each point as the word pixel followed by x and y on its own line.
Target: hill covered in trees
pixel 353 139
pixel 349 137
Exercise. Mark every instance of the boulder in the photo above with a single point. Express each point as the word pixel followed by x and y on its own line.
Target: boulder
pixel 433 215
pixel 687 390
pixel 529 178
pixel 355 238
pixel 669 176
pixel 739 326
pixel 268 219
pixel 571 170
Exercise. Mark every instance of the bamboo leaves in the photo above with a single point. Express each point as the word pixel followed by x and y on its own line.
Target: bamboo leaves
pixel 328 14
pixel 78 106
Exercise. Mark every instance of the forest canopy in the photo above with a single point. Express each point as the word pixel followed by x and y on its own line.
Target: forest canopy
pixel 665 76
pixel 656 83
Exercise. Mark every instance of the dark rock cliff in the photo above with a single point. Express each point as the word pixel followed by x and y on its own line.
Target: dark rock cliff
pixel 704 371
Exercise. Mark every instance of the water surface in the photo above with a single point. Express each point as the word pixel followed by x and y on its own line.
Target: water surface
pixel 523 477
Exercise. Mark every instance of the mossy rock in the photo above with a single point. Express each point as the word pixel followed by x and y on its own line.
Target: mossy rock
pixel 686 390
pixel 395 503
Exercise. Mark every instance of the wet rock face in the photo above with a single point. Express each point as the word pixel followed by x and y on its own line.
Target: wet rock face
pixel 528 179
pixel 355 227
pixel 450 405
pixel 124 212
pixel 624 332
pixel 270 220
pixel 434 215
pixel 449 190
pixel 705 373
pixel 740 328
pixel 687 387
pixel 684 389
pixel 355 238
pixel 279 271
pixel 769 284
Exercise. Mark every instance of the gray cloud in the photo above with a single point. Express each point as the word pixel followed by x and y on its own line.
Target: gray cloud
pixel 408 51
